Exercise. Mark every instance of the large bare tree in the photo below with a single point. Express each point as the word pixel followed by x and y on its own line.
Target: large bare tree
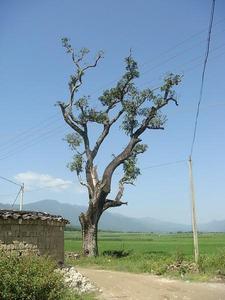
pixel 136 110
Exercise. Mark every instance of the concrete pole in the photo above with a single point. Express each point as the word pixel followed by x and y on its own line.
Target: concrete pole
pixel 194 223
pixel 22 197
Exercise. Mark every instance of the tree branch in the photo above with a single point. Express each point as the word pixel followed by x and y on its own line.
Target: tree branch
pixel 70 122
pixel 107 176
pixel 107 126
pixel 112 203
pixel 104 133
pixel 95 63
pixel 155 127
pixel 152 114
pixel 118 160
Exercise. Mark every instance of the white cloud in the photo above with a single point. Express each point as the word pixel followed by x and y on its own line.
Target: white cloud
pixel 34 180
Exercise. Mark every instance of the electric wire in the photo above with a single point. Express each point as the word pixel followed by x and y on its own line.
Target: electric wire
pixel 171 58
pixel 9 180
pixel 27 133
pixel 196 119
pixel 184 41
pixel 165 164
pixel 160 55
pixel 203 77
pixel 17 196
pixel 197 58
pixel 146 82
pixel 34 141
pixel 43 136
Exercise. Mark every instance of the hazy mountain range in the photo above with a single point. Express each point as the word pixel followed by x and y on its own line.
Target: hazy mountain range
pixel 116 222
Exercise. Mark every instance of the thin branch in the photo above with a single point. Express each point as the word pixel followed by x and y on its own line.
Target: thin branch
pixel 85 184
pixel 77 79
pixel 155 127
pixel 94 65
pixel 112 203
pixel 70 122
pixel 108 125
pixel 104 133
pixel 152 114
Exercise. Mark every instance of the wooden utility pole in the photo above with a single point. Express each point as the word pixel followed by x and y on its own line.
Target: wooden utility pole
pixel 193 209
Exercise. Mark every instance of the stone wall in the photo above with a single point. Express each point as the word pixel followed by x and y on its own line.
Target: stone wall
pixel 46 235
pixel 19 248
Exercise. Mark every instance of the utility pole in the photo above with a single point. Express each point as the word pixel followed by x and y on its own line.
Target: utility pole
pixel 22 196
pixel 193 209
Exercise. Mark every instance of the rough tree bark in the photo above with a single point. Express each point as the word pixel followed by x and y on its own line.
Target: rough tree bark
pixel 89 227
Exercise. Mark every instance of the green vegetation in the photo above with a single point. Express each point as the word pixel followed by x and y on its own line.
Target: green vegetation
pixel 32 278
pixel 169 254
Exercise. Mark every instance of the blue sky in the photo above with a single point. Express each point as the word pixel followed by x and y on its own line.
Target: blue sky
pixel 165 36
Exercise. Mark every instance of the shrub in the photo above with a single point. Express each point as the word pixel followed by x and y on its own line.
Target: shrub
pixel 116 253
pixel 30 278
pixel 213 264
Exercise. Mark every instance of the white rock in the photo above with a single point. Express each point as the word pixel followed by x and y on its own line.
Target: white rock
pixel 76 281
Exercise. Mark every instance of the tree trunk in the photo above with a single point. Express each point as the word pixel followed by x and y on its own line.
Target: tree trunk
pixel 89 235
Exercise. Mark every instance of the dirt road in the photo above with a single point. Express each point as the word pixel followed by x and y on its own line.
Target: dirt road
pixel 121 285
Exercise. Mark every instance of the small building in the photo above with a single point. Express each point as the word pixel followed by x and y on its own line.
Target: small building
pixel 32 232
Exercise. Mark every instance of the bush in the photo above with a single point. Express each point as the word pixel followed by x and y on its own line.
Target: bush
pixel 30 278
pixel 116 253
pixel 213 264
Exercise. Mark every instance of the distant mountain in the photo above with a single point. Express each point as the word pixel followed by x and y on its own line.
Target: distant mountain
pixel 213 226
pixel 116 222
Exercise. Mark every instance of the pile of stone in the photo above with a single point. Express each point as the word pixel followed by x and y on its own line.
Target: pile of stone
pixel 76 281
pixel 19 248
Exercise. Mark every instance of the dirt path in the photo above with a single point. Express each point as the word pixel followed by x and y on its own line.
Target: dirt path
pixel 121 285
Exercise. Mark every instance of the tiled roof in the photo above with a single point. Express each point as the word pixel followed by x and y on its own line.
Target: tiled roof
pixel 30 215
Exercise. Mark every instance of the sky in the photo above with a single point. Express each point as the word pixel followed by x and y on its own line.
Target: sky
pixel 165 36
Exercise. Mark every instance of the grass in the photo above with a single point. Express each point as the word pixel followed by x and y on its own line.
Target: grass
pixel 149 243
pixel 153 253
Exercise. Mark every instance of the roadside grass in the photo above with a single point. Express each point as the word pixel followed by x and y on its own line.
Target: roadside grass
pixel 160 254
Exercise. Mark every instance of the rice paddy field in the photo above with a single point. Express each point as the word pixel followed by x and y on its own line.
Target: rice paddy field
pixel 209 243
pixel 154 253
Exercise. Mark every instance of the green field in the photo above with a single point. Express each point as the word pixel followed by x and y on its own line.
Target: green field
pixel 153 253
pixel 149 243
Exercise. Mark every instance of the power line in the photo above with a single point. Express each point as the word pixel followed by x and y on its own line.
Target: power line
pixel 29 131
pixel 172 57
pixel 210 59
pixel 165 61
pixel 190 61
pixel 163 53
pixel 50 133
pixel 32 142
pixel 166 164
pixel 17 196
pixel 9 180
pixel 203 76
pixel 184 41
